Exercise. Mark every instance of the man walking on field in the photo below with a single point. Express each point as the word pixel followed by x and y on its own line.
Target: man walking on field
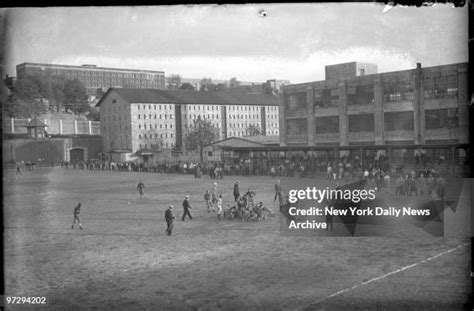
pixel 277 190
pixel 140 188
pixel 186 207
pixel 77 211
pixel 214 194
pixel 169 217
pixel 207 199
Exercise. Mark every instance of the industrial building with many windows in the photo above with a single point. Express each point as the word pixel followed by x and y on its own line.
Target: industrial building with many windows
pixel 357 106
pixel 95 77
pixel 147 122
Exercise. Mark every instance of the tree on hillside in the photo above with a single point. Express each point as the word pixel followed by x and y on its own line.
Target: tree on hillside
pixel 253 130
pixel 187 86
pixel 206 84
pixel 75 96
pixel 31 88
pixel 220 87
pixel 210 87
pixel 55 92
pixel 234 82
pixel 174 82
pixel 26 99
pixel 101 92
pixel 33 95
pixel 93 114
pixel 202 134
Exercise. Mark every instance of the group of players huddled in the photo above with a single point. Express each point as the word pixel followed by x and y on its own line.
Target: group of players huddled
pixel 245 208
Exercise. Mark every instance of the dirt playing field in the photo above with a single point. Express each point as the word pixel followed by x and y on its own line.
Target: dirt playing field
pixel 123 260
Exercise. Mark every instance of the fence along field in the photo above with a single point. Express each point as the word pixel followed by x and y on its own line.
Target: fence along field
pixel 54 126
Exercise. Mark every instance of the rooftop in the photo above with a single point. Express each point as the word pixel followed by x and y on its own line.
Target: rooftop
pixel 191 97
pixel 248 141
pixel 87 67
pixel 35 123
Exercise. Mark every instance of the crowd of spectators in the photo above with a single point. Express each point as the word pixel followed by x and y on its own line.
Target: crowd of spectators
pixel 417 179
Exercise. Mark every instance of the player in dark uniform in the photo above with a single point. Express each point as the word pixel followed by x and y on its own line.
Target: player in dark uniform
pixel 207 199
pixel 18 170
pixel 236 190
pixel 140 188
pixel 77 211
pixel 277 190
pixel 169 217
pixel 186 207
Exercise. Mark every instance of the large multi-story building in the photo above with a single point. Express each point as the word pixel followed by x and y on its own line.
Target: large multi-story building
pixel 150 121
pixel 357 106
pixel 95 77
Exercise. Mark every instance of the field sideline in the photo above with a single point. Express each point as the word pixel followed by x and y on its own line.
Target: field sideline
pixel 123 260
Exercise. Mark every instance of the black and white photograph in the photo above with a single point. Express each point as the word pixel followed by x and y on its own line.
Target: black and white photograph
pixel 309 156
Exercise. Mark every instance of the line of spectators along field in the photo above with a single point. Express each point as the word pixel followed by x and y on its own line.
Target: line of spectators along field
pixel 346 167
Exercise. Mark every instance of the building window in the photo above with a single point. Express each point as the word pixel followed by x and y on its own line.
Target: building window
pixel 398 91
pixel 441 87
pixel 296 101
pixel 297 127
pixel 139 126
pixel 326 125
pixel 398 121
pixel 441 118
pixel 361 123
pixel 324 98
pixel 360 95
pixel 144 136
pixel 452 85
pixel 139 136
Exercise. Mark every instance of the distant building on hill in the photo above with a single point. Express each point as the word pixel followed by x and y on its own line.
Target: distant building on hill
pixel 95 78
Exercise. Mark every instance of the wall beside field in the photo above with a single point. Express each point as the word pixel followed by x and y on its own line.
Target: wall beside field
pixel 49 150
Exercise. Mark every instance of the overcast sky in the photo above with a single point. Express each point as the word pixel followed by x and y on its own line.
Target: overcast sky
pixel 292 42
